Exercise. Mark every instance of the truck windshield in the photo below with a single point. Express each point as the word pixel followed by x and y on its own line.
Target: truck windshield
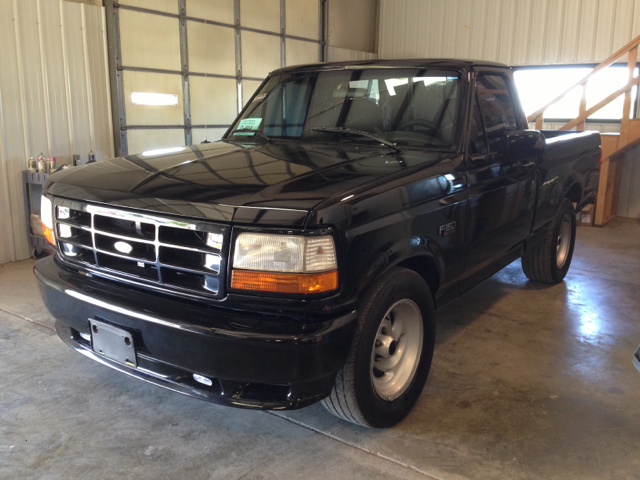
pixel 412 107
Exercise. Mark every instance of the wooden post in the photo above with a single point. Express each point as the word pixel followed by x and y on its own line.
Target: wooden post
pixel 626 108
pixel 539 121
pixel 616 186
pixel 583 108
pixel 606 177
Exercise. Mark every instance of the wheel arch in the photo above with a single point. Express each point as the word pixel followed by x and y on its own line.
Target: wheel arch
pixel 426 267
pixel 573 191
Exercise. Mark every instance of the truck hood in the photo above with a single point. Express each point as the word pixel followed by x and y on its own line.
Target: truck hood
pixel 276 183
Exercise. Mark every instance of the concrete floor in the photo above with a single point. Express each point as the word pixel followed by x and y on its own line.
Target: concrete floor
pixel 528 381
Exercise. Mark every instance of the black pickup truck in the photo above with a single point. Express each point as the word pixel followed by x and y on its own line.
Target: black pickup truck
pixel 302 258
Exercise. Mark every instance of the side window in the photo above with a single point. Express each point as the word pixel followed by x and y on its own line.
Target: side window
pixel 477 139
pixel 497 109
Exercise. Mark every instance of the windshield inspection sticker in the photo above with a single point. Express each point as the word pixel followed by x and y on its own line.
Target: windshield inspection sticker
pixel 248 124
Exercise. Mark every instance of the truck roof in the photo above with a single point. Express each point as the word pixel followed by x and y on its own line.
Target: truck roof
pixel 399 63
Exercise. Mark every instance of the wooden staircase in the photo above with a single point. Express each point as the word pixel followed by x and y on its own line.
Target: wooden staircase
pixel 614 145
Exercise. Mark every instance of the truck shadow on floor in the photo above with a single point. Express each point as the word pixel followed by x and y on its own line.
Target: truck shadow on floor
pixel 480 300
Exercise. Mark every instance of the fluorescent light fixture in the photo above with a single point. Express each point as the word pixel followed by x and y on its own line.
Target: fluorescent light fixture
pixel 157 99
pixel 162 151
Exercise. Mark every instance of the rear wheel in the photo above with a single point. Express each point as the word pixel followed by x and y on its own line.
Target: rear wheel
pixel 391 353
pixel 549 260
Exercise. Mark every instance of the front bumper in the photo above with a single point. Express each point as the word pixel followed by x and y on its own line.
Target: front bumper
pixel 254 361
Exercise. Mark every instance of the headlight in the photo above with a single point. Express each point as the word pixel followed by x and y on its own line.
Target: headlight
pixel 299 264
pixel 46 215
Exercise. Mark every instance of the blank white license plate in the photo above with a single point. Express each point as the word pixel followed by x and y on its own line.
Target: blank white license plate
pixel 113 343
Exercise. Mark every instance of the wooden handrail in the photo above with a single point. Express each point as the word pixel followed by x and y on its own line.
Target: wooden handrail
pixel 600 104
pixel 626 49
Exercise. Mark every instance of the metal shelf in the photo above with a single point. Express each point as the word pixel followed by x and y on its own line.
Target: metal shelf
pixel 33 182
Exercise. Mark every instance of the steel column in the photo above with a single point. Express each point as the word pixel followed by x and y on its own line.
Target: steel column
pixel 323 25
pixel 116 81
pixel 238 39
pixel 283 33
pixel 184 58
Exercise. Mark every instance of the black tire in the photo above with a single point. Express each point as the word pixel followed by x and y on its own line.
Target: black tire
pixel 540 264
pixel 354 397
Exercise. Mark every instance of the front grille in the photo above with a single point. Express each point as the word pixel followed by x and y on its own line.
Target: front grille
pixel 168 252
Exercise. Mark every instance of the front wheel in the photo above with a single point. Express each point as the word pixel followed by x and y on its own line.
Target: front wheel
pixel 549 260
pixel 391 353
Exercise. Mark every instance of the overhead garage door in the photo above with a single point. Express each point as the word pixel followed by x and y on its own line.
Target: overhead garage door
pixel 205 57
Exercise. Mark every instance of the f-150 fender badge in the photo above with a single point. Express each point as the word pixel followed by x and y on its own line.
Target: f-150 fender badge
pixel 447 229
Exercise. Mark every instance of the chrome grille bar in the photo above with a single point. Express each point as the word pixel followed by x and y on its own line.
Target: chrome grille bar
pixel 128 245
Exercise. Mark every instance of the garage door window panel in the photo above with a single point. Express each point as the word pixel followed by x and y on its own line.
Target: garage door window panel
pixel 149 41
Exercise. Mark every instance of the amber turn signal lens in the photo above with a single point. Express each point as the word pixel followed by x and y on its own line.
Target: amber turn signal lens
pixel 284 282
pixel 48 234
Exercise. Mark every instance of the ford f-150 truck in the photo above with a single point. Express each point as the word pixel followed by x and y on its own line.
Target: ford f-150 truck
pixel 303 256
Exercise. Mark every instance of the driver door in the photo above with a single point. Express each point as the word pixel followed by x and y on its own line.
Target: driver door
pixel 501 188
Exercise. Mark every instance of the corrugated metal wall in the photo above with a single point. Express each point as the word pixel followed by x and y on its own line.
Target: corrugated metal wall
pixel 54 97
pixel 231 45
pixel 515 32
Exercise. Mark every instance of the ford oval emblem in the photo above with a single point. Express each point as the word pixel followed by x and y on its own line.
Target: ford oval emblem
pixel 123 247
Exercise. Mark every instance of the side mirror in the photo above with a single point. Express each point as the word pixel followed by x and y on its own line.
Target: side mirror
pixel 525 143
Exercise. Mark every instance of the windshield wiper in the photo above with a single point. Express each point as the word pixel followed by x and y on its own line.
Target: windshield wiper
pixel 256 133
pixel 360 133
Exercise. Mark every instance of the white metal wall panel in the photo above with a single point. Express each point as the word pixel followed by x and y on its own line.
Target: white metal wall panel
pixel 214 101
pixel 516 32
pixel 151 41
pixel 169 6
pixel 261 14
pixel 335 54
pixel 300 52
pixel 7 245
pixel 156 83
pixel 463 39
pixel 492 21
pixel 98 76
pixel 145 140
pixel 260 54
pixel 56 81
pixel 302 18
pixel 44 96
pixel 15 147
pixel 624 23
pixel 32 78
pixel 79 95
pixel 477 49
pixel 211 48
pixel 216 10
pixel 537 38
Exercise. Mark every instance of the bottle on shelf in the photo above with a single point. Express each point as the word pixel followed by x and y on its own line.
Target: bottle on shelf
pixel 92 157
pixel 42 164
pixel 32 165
